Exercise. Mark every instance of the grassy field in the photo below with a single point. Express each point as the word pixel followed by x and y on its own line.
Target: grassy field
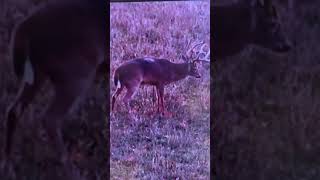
pixel 147 146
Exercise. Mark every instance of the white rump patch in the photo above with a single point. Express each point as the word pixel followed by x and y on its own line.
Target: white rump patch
pixel 118 84
pixel 28 75
pixel 149 59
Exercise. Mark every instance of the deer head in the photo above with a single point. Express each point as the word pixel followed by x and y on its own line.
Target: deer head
pixel 194 55
pixel 249 22
pixel 266 27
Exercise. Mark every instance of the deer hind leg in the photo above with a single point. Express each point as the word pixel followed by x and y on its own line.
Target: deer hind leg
pixel 155 97
pixel 158 99
pixel 25 95
pixel 131 90
pixel 66 95
pixel 52 123
pixel 115 96
pixel 161 98
pixel 161 93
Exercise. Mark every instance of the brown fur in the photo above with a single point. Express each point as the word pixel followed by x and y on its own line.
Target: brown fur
pixel 65 42
pixel 150 71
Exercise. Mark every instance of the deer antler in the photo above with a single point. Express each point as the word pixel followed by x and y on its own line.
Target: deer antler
pixel 191 50
pixel 199 54
pixel 206 56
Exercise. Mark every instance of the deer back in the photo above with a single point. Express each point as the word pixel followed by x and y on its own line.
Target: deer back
pixel 61 29
pixel 152 71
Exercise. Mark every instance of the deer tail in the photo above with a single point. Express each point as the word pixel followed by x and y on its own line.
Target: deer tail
pixel 20 55
pixel 117 80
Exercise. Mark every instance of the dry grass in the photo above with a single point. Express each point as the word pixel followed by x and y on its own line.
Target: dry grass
pixel 147 146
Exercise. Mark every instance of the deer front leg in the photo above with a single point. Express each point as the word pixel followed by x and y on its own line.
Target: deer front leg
pixel 52 124
pixel 155 97
pixel 161 93
pixel 161 97
pixel 155 105
pixel 52 121
pixel 158 99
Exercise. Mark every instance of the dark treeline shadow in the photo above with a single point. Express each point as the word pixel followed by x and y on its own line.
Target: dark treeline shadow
pixel 265 103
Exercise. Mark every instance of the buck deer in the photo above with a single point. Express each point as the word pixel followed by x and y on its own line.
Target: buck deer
pixel 156 72
pixel 248 22
pixel 64 42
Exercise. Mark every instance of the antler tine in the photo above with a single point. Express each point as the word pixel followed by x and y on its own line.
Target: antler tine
pixel 206 54
pixel 188 43
pixel 193 47
pixel 207 57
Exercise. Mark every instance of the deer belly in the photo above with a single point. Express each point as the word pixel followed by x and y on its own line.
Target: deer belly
pixel 151 79
pixel 149 83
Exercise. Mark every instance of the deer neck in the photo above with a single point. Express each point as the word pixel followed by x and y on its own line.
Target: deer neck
pixel 180 71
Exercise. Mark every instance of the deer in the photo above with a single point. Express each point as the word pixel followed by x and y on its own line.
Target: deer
pixel 156 72
pixel 244 23
pixel 63 42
